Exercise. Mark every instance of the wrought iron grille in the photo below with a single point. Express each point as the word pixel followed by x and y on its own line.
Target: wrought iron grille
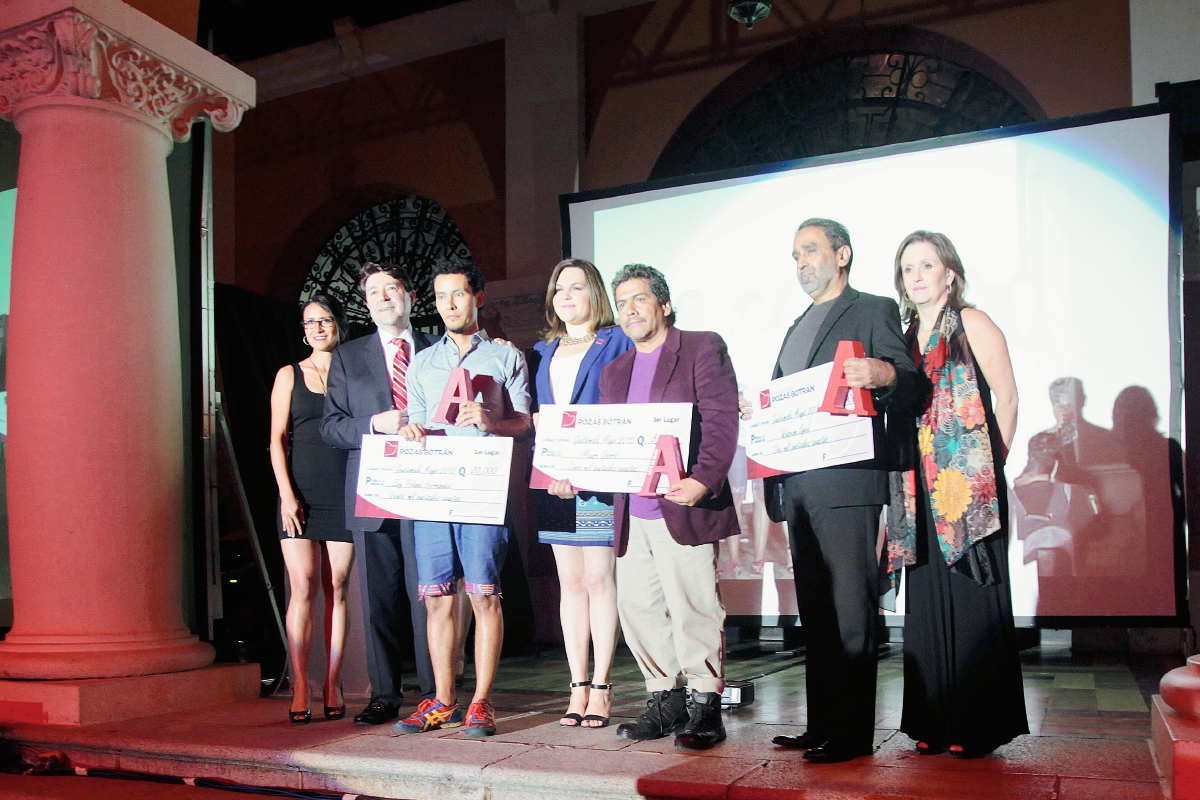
pixel 843 104
pixel 412 231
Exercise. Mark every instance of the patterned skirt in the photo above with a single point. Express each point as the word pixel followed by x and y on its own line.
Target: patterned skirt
pixel 593 524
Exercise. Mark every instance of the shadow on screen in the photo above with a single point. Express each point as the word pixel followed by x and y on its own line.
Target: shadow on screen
pixel 1094 508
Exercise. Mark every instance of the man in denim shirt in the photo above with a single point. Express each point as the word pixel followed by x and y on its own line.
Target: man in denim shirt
pixel 448 551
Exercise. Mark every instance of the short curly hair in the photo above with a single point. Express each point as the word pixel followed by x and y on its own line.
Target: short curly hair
pixel 658 284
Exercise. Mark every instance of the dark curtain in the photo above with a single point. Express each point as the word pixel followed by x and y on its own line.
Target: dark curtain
pixel 255 336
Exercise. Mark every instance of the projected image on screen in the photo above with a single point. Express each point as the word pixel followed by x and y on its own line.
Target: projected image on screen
pixel 1065 240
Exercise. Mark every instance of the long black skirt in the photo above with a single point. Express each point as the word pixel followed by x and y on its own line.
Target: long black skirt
pixel 962 668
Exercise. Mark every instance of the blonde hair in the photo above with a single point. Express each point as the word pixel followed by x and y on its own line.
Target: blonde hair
pixel 602 315
pixel 948 256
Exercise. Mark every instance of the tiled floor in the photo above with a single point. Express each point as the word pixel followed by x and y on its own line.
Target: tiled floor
pixel 1094 695
pixel 1089 719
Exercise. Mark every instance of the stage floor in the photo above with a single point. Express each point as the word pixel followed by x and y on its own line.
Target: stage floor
pixel 1089 718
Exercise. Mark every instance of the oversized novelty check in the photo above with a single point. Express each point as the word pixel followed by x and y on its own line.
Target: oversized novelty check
pixel 451 479
pixel 788 434
pixel 605 448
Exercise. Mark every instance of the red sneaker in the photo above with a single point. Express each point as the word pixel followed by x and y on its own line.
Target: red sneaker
pixel 429 716
pixel 481 720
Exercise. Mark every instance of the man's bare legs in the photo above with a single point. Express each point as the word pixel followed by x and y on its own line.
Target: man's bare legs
pixel 443 641
pixel 439 612
pixel 462 623
pixel 489 639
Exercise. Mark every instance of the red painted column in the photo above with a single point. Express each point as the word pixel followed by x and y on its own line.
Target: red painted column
pixel 95 467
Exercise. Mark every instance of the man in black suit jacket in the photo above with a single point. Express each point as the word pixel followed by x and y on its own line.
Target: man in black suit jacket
pixel 833 513
pixel 360 398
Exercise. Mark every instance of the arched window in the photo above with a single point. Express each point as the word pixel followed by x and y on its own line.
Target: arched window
pixel 839 104
pixel 411 230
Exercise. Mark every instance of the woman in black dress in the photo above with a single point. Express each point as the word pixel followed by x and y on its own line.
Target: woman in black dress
pixel 317 549
pixel 948 521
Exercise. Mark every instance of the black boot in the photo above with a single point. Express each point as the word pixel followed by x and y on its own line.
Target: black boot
pixel 704 727
pixel 666 713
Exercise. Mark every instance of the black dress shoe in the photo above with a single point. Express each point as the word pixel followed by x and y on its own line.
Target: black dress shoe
pixel 833 753
pixel 704 728
pixel 666 713
pixel 802 742
pixel 376 713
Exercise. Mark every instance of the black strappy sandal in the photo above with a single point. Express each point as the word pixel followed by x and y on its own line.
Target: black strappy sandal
pixel 576 719
pixel 300 717
pixel 596 717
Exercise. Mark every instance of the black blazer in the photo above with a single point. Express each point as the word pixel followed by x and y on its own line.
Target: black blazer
pixel 359 386
pixel 874 321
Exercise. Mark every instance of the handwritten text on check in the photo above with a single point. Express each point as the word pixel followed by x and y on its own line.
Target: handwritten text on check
pixel 453 479
pixel 605 448
pixel 788 434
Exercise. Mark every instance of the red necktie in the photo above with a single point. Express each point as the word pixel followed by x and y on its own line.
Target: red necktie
pixel 399 370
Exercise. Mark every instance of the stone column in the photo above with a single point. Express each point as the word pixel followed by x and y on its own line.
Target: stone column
pixel 543 98
pixel 99 92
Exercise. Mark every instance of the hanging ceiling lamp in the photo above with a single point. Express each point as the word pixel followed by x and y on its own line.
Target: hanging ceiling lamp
pixel 749 12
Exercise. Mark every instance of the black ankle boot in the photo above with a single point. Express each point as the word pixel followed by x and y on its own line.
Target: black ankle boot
pixel 704 727
pixel 666 713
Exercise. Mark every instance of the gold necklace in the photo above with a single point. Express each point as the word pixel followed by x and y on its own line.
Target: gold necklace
pixel 317 370
pixel 567 341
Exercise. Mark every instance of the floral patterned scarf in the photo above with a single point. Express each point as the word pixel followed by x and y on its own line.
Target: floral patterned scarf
pixel 955 448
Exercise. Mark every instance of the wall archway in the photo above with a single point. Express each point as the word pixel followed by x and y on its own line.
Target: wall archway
pixel 845 92
pixel 410 230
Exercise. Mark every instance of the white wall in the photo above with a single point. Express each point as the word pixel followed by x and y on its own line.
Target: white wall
pixel 1164 39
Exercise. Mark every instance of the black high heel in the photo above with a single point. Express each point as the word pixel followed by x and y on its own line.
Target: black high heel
pixel 300 717
pixel 575 718
pixel 604 687
pixel 336 712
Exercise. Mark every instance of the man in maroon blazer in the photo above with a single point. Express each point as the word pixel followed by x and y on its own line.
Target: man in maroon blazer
pixel 667 595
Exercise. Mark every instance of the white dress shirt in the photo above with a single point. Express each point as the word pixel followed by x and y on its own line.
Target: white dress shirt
pixel 389 353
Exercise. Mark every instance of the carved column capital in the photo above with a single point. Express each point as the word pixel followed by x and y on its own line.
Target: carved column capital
pixel 71 54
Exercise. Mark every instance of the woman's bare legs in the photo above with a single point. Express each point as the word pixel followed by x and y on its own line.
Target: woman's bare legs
pixel 337 560
pixel 598 566
pixel 302 558
pixel 575 615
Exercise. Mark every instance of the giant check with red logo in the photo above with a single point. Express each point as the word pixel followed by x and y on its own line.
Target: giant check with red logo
pixel 450 479
pixel 787 432
pixel 605 448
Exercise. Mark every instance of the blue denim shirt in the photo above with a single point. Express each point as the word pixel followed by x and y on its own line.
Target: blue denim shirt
pixel 499 380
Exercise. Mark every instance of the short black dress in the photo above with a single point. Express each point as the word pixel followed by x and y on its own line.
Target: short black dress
pixel 318 471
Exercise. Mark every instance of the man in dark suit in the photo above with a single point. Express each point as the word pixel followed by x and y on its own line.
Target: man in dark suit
pixel 367 394
pixel 666 547
pixel 833 513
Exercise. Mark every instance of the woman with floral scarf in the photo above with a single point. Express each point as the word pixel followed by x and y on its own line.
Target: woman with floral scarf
pixel 948 520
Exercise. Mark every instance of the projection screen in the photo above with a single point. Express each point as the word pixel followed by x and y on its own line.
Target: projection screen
pixel 1067 238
